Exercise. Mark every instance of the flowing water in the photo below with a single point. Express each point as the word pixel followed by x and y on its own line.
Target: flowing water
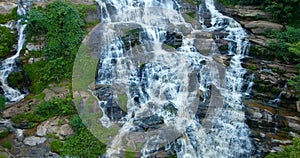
pixel 9 64
pixel 168 88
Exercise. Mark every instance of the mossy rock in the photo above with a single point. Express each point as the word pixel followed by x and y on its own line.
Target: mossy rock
pixel 3 132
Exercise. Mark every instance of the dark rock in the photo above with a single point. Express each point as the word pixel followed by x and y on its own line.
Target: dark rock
pixel 148 123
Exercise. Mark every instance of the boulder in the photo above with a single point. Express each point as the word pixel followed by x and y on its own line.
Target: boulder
pixel 259 27
pixel 6 7
pixel 247 12
pixel 58 126
pixel 33 141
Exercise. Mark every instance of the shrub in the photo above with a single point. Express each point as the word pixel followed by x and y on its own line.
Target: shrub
pixel 7 17
pixel 6 41
pixel 82 144
pixel 4 132
pixel 7 144
pixel 292 151
pixel 56 145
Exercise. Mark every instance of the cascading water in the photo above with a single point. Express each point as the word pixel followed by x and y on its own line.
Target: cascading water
pixel 9 64
pixel 165 86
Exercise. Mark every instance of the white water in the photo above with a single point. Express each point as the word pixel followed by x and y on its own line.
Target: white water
pixel 166 80
pixel 9 64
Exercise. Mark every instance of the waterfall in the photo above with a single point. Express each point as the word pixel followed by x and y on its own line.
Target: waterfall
pixel 168 88
pixel 9 64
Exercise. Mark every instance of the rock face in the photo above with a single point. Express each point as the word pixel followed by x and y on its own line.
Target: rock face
pixel 259 27
pixel 247 12
pixel 6 7
pixel 58 126
pixel 18 108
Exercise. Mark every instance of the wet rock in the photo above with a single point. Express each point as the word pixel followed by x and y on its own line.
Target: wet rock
pixel 173 39
pixel 151 122
pixel 203 42
pixel 259 27
pixel 33 141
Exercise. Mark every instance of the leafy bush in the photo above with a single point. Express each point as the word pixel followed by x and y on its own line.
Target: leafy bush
pixel 56 107
pixel 292 151
pixel 61 24
pixel 7 40
pixel 56 145
pixel 82 144
pixel 4 132
pixel 7 17
pixel 281 44
pixel 7 144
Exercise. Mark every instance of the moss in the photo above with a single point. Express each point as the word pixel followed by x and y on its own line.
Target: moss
pixel 4 133
pixel 123 101
pixel 252 67
pixel 7 144
pixel 56 145
pixel 223 47
pixel 2 102
pixel 129 154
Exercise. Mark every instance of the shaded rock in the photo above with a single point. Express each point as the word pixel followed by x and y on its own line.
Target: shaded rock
pixel 259 27
pixel 33 141
pixel 260 40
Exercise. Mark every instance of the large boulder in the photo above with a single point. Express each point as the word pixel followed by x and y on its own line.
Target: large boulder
pixel 6 7
pixel 58 126
pixel 259 27
pixel 247 12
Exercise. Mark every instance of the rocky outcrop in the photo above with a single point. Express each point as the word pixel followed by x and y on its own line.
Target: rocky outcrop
pixel 247 12
pixel 58 126
pixel 18 108
pixel 259 27
pixel 6 7
pixel 33 141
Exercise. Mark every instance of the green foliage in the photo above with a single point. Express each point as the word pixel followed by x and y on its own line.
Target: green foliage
pixel 281 44
pixel 56 107
pixel 61 24
pixel 76 122
pixel 295 49
pixel 284 11
pixel 7 40
pixel 56 145
pixel 82 144
pixel 29 117
pixel 292 151
pixel 7 144
pixel 4 132
pixel 16 80
pixel 2 102
pixel 7 17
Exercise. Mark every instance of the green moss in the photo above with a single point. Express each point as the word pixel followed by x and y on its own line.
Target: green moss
pixel 123 101
pixel 4 133
pixel 2 102
pixel 56 145
pixel 7 145
pixel 252 67
pixel 129 154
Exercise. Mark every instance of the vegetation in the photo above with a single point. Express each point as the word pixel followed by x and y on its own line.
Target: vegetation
pixel 7 40
pixel 7 17
pixel 56 145
pixel 83 143
pixel 61 24
pixel 2 102
pixel 7 145
pixel 292 151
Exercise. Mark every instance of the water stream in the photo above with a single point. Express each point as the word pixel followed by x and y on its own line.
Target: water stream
pixel 166 86
pixel 9 64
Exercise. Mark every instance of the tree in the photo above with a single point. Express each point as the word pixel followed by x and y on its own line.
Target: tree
pixel 6 41
pixel 283 11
